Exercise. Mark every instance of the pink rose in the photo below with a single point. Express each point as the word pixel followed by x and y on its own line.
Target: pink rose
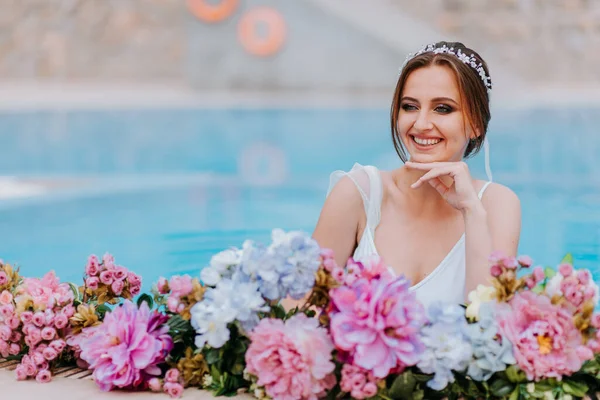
pixel 181 285
pixel 120 273
pixel 565 269
pixel 14 349
pixel 68 311
pixel 13 322
pixel 496 270
pixel 49 353
pixel 109 261
pixel 134 290
pixel 48 333
pixel 92 267
pixel 134 279
pixel 7 310
pixel 525 261
pixel 34 335
pixel 21 372
pixel 5 332
pixel 538 274
pixel 6 297
pixel 117 287
pixel 175 390
pixel 26 317
pixel 38 358
pixel 172 375
pixel 92 283
pixel 44 376
pixel 106 277
pixel 58 345
pixel 60 321
pixel 162 285
pixel 39 319
pixel 16 336
pixel 3 278
pixel 172 303
pixel 154 385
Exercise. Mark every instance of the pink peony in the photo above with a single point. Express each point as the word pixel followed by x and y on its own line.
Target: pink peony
pixel 377 324
pixel 546 343
pixel 125 351
pixel 291 359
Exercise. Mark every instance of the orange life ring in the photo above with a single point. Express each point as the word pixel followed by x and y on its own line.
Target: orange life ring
pixel 208 12
pixel 252 41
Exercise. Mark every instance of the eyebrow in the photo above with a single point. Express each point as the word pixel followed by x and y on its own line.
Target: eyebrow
pixel 434 100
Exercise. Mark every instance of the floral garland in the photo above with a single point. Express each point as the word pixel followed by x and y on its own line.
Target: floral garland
pixel 357 332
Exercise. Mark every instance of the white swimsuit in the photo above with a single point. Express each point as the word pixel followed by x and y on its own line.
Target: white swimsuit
pixel 447 281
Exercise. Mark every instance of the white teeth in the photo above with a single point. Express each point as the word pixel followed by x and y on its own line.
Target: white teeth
pixel 426 142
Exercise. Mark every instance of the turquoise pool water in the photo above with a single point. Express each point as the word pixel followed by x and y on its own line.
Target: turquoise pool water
pixel 172 187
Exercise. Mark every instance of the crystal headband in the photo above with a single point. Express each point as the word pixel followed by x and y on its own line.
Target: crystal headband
pixel 468 60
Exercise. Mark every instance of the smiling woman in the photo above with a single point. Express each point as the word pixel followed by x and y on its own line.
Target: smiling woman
pixel 428 219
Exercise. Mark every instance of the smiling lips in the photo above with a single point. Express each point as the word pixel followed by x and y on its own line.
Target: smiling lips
pixel 426 141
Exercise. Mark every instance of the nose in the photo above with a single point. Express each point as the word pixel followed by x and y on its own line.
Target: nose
pixel 422 123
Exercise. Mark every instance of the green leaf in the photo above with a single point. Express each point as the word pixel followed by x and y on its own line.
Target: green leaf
pixel 515 375
pixel 549 272
pixel 75 291
pixel 212 356
pixel 544 386
pixel 515 394
pixel 578 389
pixel 567 259
pixel 418 395
pixel 403 386
pixel 145 298
pixel 279 311
pixel 501 388
pixel 237 369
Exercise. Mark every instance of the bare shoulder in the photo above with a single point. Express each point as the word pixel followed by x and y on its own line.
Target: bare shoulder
pixel 497 195
pixel 345 194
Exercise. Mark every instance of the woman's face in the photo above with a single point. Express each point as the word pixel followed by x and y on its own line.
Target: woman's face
pixel 431 124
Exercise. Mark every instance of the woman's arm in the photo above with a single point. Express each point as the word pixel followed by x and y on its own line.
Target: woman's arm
pixel 338 223
pixel 337 226
pixel 492 224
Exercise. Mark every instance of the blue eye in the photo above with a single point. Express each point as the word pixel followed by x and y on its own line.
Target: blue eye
pixel 444 109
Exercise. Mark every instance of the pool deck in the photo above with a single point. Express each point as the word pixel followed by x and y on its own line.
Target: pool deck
pixel 81 389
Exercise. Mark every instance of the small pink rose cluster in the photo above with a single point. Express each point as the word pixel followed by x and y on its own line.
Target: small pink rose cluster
pixel 576 287
pixel 358 382
pixel 171 385
pixel 116 280
pixel 176 288
pixel 11 338
pixel 43 309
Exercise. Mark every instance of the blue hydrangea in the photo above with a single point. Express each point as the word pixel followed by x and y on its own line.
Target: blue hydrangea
pixel 227 302
pixel 447 347
pixel 285 268
pixel 489 353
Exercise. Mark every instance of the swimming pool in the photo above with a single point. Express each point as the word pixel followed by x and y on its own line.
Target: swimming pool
pixel 163 190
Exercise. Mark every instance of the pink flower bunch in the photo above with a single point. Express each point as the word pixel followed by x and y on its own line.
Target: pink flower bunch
pixel 176 288
pixel 291 359
pixel 370 268
pixel 358 382
pixel 594 342
pixel 329 264
pixel 11 338
pixel 546 343
pixel 375 322
pixel 576 287
pixel 44 293
pixel 106 276
pixel 45 332
pixel 172 384
pixel 125 351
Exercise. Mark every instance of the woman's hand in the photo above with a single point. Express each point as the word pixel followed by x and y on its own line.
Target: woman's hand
pixel 452 180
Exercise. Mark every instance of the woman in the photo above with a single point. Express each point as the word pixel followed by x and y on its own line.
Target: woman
pixel 429 219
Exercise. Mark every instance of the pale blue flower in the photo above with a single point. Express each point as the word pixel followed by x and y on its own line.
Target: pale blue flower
pixel 490 354
pixel 447 347
pixel 227 302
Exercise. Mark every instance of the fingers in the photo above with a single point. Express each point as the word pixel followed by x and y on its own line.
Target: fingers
pixel 435 173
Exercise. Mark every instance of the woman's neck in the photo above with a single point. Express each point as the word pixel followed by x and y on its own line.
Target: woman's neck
pixel 423 198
